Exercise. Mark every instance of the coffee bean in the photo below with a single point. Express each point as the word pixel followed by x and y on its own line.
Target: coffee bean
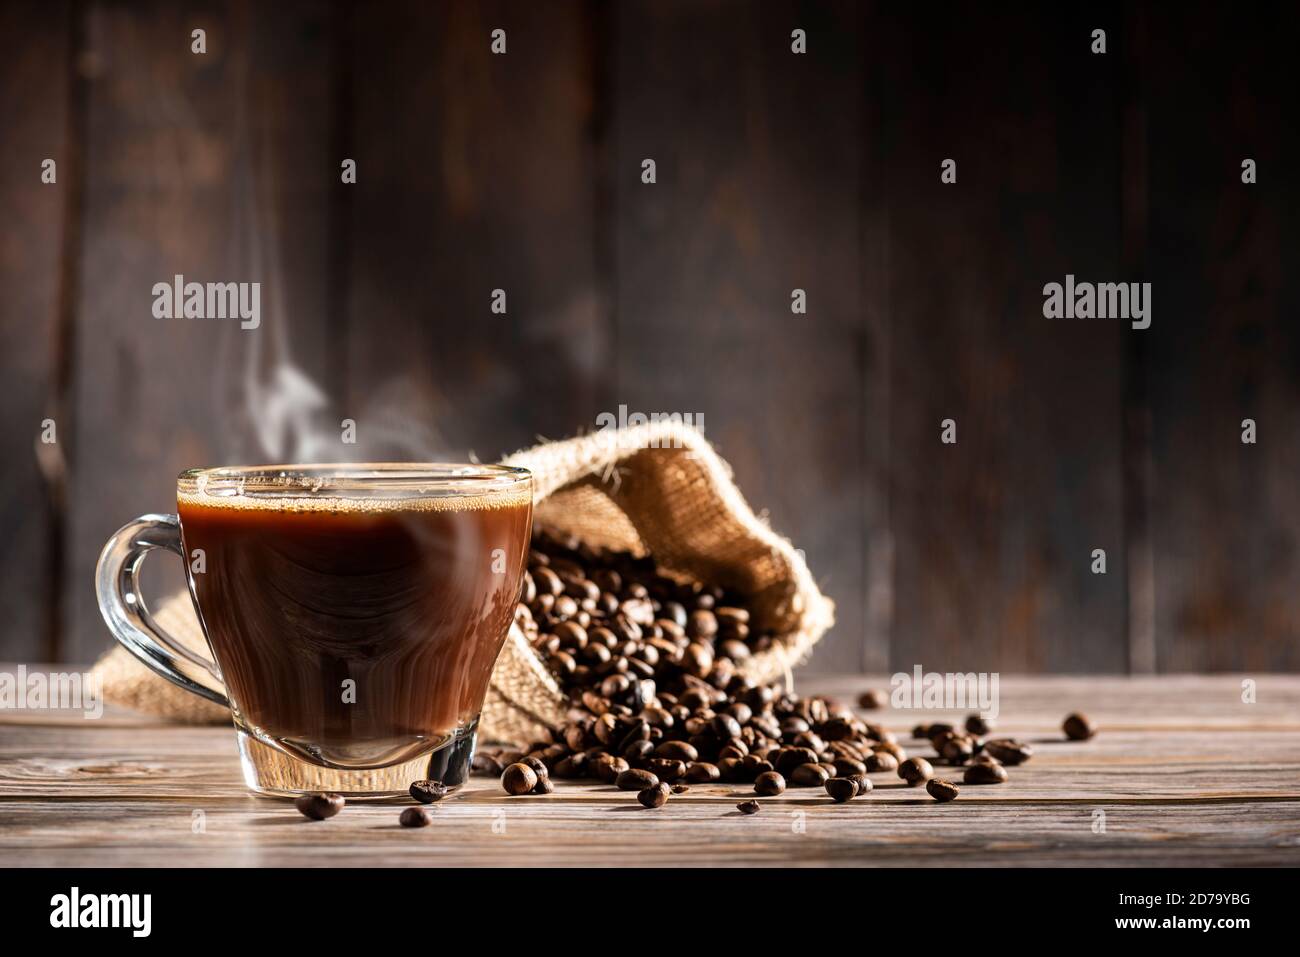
pixel 571 635
pixel 838 729
pixel 429 792
pixel 747 807
pixel 881 761
pixel 674 612
pixel 979 725
pixel 872 700
pixel 640 731
pixel 318 806
pixel 863 782
pixel 932 731
pixel 653 796
pixel 848 767
pixel 677 751
pixel 616 685
pixel 1078 727
pixel 415 817
pixel 608 767
pixel 809 776
pixel 733 649
pixel 729 769
pixel 543 786
pixel 574 766
pixel 701 772
pixel 638 751
pixel 702 624
pixel 547 581
pixel 957 749
pixel 1009 751
pixel 941 791
pixel 890 747
pixel 680 788
pixel 518 779
pixel 666 769
pixel 728 616
pixel 842 789
pixel 915 771
pixel 537 764
pixel 791 758
pixel 635 779
pixel 984 772
pixel 769 783
pixel 725 726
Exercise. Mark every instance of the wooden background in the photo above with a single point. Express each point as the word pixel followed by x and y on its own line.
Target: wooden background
pixel 775 171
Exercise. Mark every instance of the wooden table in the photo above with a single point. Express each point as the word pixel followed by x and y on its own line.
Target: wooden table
pixel 1182 773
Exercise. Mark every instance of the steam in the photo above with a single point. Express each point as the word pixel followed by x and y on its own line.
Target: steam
pixel 276 412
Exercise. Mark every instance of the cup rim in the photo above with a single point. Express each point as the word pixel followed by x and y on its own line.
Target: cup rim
pixel 352 480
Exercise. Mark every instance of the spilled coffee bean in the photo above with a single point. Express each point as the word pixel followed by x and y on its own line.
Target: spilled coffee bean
pixel 915 771
pixel 653 670
pixel 518 779
pixel 931 731
pixel 543 786
pixel 872 700
pixel 635 779
pixel 842 790
pixel 747 807
pixel 809 776
pixel 881 761
pixel 701 772
pixel 1009 751
pixel 319 806
pixel 1078 727
pixel 537 764
pixel 979 725
pixel 941 791
pixel 654 796
pixel 863 782
pixel 985 772
pixel 415 817
pixel 429 792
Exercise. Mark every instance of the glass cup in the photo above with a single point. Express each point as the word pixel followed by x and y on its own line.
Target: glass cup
pixel 353 613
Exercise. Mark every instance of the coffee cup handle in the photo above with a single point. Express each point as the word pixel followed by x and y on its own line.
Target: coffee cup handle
pixel 128 618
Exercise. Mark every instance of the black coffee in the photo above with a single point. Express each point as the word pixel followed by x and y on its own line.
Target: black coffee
pixel 357 635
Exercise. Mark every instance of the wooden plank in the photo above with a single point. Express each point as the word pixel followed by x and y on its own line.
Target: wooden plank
pixel 1184 773
pixel 475 172
pixel 993 536
pixel 1224 345
pixel 34 97
pixel 211 166
pixel 758 163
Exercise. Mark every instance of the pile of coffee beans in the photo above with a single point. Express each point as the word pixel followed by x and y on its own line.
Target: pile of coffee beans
pixel 653 670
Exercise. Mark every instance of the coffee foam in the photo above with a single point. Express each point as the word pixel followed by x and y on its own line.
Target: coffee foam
pixel 510 497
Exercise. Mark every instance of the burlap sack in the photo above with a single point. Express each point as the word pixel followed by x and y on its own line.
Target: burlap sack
pixel 657 488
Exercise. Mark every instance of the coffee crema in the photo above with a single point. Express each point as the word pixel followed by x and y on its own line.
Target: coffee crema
pixel 356 632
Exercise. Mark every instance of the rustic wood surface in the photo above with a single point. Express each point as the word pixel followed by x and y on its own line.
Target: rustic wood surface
pixel 1184 772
